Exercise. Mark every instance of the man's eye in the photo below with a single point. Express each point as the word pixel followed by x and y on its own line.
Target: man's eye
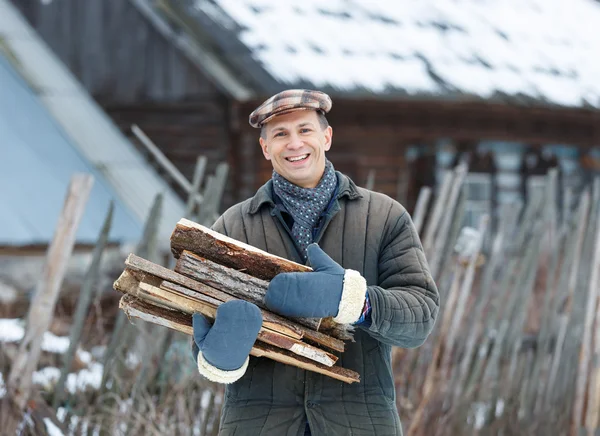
pixel 305 130
pixel 279 134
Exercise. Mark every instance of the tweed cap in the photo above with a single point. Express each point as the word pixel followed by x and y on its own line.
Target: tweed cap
pixel 288 101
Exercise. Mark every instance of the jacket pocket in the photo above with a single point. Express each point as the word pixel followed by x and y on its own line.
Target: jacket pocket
pixel 379 374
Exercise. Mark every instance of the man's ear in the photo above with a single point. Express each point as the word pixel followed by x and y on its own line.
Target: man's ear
pixel 328 132
pixel 264 148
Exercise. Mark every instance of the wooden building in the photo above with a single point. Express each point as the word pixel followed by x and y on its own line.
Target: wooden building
pixel 414 84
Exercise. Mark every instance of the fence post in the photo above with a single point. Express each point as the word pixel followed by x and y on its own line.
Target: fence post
pixel 42 306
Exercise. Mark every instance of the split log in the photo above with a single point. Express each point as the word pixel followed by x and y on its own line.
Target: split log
pixel 135 308
pixel 207 306
pixel 229 252
pixel 143 266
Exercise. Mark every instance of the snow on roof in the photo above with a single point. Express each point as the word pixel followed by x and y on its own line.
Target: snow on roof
pixel 540 49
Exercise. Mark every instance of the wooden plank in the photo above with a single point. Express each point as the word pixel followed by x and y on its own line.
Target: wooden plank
pixel 135 308
pixel 283 356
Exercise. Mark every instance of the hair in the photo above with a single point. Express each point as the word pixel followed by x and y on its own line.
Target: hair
pixel 320 116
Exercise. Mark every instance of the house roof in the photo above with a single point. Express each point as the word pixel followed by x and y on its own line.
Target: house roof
pixel 516 50
pixel 55 128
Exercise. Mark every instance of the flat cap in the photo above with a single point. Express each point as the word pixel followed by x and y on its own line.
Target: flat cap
pixel 288 101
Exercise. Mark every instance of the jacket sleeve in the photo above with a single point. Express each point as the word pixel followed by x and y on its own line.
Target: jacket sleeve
pixel 219 225
pixel 405 304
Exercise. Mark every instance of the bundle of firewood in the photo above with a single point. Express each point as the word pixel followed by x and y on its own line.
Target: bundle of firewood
pixel 212 269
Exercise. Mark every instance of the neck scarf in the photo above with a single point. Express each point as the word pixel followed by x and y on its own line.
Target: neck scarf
pixel 305 204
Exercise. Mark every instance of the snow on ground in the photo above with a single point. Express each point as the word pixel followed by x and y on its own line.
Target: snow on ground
pixel 52 429
pixel 2 386
pixel 13 330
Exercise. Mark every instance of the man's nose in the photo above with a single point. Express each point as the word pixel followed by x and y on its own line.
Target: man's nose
pixel 295 141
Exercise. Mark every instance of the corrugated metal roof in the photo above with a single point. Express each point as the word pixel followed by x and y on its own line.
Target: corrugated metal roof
pixel 37 161
pixel 542 50
pixel 90 132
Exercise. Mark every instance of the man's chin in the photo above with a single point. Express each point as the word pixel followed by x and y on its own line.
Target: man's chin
pixel 300 180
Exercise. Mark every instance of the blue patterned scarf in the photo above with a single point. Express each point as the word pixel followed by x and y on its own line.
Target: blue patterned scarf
pixel 305 205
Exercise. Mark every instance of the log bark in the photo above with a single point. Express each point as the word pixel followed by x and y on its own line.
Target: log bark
pixel 135 308
pixel 142 266
pixel 129 284
pixel 229 252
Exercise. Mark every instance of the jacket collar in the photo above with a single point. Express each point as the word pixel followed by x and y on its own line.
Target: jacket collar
pixel 264 195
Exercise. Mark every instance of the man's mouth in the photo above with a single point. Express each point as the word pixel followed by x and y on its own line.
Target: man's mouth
pixel 297 158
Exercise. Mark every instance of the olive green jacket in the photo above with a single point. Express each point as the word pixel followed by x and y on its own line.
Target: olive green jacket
pixel 367 232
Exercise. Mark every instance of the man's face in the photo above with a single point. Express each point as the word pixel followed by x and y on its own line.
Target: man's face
pixel 296 145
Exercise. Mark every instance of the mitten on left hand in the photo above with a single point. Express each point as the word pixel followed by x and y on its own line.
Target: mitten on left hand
pixel 329 290
pixel 222 349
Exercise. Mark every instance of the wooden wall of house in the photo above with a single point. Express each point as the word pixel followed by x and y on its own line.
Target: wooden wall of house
pixel 115 52
pixel 183 131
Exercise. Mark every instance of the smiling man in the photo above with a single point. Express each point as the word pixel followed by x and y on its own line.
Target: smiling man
pixel 369 272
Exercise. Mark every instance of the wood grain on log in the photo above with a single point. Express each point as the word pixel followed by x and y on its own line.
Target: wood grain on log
pixel 232 253
pixel 135 308
pixel 283 356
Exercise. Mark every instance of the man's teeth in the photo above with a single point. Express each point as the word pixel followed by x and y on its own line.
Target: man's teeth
pixel 295 159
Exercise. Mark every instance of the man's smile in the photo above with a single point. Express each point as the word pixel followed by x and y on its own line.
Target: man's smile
pixel 300 158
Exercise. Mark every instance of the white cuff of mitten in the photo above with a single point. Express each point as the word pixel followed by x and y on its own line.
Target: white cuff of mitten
pixel 352 302
pixel 217 375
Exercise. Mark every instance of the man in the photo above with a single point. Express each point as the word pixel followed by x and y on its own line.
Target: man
pixel 369 271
